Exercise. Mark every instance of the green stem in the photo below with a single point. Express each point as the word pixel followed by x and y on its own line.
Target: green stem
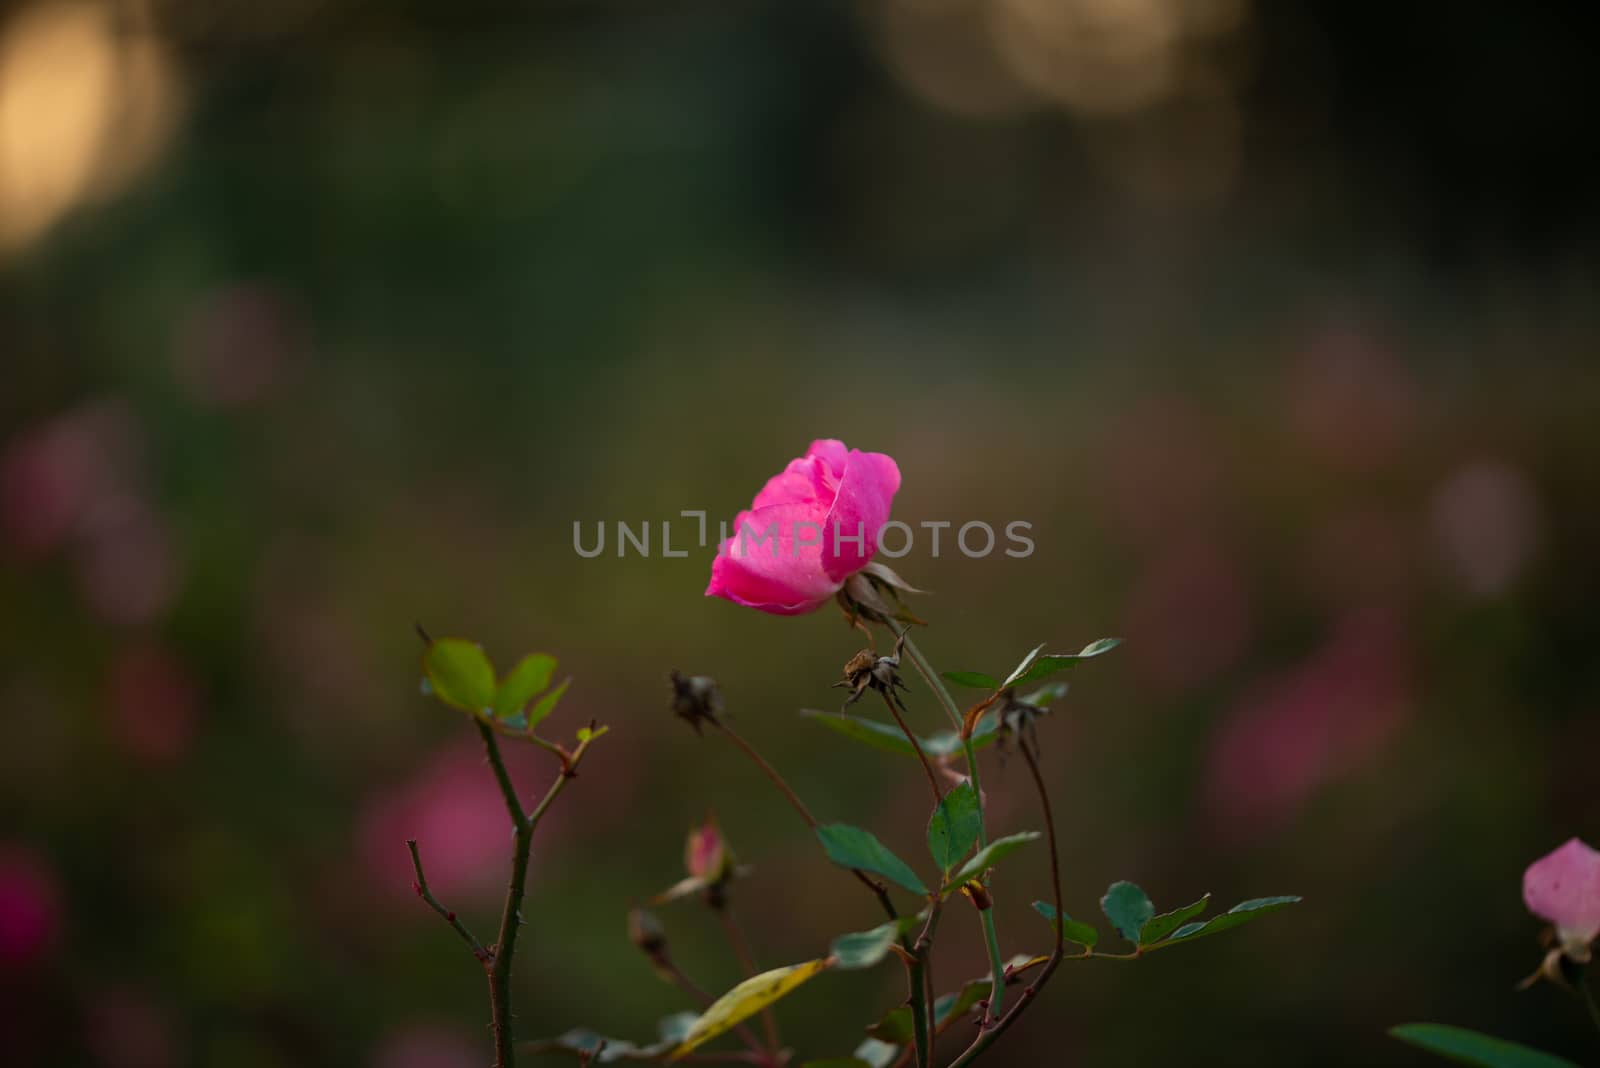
pixel 511 917
pixel 990 936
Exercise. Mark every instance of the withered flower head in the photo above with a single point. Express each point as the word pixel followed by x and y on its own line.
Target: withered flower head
pixel 1018 719
pixel 869 671
pixel 873 594
pixel 646 932
pixel 695 699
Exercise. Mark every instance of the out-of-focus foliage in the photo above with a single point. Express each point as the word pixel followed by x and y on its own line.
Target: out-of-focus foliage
pixel 1275 320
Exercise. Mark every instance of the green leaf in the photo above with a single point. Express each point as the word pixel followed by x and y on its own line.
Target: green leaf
pixel 546 704
pixel 744 1001
pixel 876 1054
pixel 1071 929
pixel 460 675
pixel 1161 926
pixel 973 680
pixel 949 1006
pixel 1044 667
pixel 1471 1047
pixel 1050 663
pixel 1128 908
pixel 863 949
pixel 522 684
pixel 1022 668
pixel 895 1027
pixel 885 736
pixel 1050 691
pixel 953 828
pixel 1243 912
pixel 852 847
pixel 990 855
pixel 589 734
pixel 889 737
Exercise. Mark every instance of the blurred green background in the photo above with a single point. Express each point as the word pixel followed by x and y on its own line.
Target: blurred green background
pixel 323 317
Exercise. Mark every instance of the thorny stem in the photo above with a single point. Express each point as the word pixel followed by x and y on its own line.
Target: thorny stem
pixel 747 962
pixel 920 998
pixel 991 937
pixel 421 887
pixel 524 823
pixel 987 1036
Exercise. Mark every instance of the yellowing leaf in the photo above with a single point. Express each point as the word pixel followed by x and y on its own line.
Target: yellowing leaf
pixel 744 1001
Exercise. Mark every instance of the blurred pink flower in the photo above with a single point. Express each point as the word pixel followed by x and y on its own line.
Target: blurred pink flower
pixel 457 815
pixel 58 475
pixel 427 1046
pixel 705 854
pixel 1311 724
pixel 154 701
pixel 30 908
pixel 1563 887
pixel 826 508
pixel 1486 519
pixel 126 1029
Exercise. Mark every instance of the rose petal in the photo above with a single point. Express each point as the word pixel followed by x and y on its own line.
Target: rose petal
pixel 866 493
pixel 1564 888
pixel 775 576
pixel 806 479
pixel 833 453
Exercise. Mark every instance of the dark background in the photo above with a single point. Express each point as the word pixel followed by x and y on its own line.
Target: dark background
pixel 1277 320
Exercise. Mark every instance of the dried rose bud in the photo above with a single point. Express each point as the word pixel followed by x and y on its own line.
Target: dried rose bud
pixel 695 699
pixel 1018 719
pixel 646 932
pixel 869 671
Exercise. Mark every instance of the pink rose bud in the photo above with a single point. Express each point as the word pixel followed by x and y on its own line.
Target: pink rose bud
pixel 810 528
pixel 1564 888
pixel 705 854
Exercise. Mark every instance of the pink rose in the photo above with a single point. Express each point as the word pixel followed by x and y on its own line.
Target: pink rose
pixel 811 528
pixel 1564 888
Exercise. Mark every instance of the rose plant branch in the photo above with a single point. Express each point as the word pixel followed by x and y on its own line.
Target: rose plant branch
pixel 991 937
pixel 914 962
pixel 844 489
pixel 524 824
pixel 987 1036
pixel 421 887
pixel 459 673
